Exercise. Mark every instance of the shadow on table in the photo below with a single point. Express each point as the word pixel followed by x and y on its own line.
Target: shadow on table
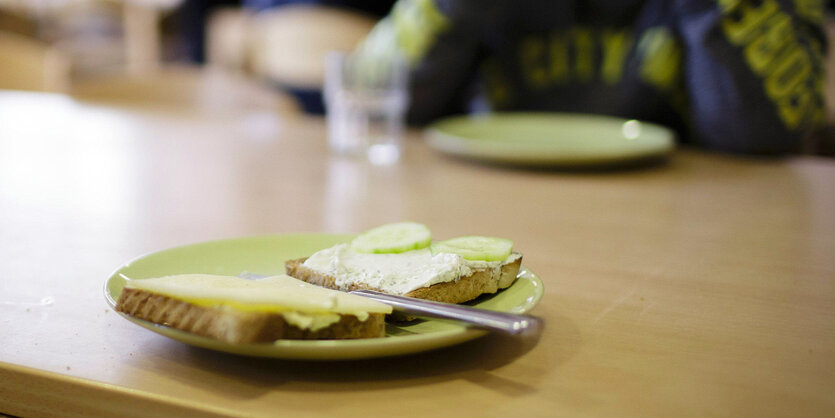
pixel 239 377
pixel 613 167
pixel 643 165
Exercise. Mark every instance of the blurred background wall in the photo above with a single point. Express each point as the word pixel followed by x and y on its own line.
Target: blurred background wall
pixel 53 45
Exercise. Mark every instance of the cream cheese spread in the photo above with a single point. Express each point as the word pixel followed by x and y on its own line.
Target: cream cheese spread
pixel 398 273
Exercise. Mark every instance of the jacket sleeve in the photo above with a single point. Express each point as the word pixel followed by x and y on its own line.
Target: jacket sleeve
pixel 753 72
pixel 439 40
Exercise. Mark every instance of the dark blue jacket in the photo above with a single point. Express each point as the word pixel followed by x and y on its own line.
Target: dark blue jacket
pixel 732 75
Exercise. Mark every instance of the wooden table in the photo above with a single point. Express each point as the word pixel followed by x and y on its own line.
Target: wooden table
pixel 702 287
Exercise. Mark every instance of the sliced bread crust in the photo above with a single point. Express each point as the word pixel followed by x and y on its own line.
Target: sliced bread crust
pixel 463 289
pixel 235 326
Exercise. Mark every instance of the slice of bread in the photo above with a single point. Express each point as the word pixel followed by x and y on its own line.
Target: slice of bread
pixel 246 316
pixel 462 289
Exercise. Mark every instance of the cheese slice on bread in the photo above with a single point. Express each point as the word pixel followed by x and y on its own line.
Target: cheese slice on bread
pixel 238 310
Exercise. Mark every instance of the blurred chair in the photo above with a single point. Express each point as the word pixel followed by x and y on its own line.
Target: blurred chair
pixel 28 64
pixel 184 88
pixel 228 33
pixel 11 20
pixel 290 43
pixel 142 37
pixel 286 45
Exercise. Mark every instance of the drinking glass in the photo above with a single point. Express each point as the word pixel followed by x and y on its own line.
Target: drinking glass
pixel 366 100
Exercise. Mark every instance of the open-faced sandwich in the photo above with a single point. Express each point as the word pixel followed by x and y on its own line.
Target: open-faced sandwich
pixel 401 259
pixel 238 310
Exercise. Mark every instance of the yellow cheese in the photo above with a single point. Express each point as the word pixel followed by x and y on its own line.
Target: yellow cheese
pixel 280 294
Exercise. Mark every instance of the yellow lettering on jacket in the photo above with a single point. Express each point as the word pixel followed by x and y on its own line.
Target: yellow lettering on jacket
pixel 765 48
pixel 575 55
pixel 498 91
pixel 583 53
pixel 662 55
pixel 788 69
pixel 615 46
pixel 533 62
pixel 812 10
pixel 560 58
pixel 743 20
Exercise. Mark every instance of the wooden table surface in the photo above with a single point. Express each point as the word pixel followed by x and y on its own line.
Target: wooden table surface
pixel 701 287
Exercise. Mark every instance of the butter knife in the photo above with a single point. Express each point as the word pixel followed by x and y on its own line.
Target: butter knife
pixel 481 318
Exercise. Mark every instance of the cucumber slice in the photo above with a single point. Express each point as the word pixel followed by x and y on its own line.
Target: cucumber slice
pixel 475 248
pixel 393 238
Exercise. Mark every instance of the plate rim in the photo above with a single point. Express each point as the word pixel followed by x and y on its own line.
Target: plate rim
pixel 318 350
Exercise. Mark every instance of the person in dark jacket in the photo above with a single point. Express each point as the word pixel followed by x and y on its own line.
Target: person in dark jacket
pixel 742 76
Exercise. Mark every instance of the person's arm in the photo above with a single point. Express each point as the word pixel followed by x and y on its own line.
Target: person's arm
pixel 439 40
pixel 753 72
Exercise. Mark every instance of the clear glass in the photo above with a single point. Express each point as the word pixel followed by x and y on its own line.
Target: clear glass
pixel 366 101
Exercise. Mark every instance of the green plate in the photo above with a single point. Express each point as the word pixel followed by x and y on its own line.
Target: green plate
pixel 550 139
pixel 266 255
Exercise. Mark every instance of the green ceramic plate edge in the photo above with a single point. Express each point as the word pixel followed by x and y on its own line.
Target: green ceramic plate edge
pixel 478 140
pixel 266 255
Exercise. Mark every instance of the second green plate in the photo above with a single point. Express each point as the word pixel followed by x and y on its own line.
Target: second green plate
pixel 550 139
